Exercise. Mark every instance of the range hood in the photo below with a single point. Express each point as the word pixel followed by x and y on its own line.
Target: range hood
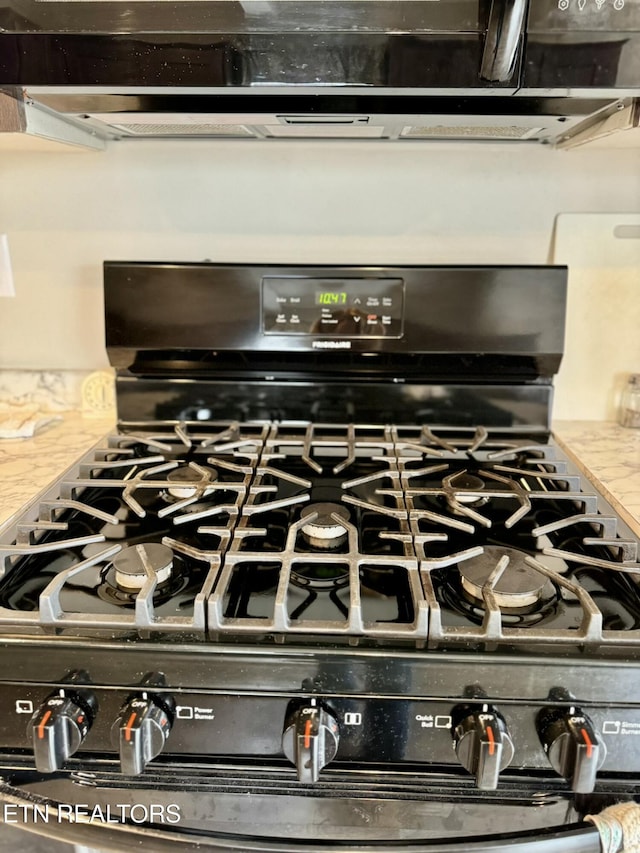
pixel 511 70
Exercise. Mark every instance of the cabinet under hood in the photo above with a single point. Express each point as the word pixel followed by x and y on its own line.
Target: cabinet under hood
pixel 516 70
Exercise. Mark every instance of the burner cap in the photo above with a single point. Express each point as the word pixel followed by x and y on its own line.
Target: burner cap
pixel 461 483
pixel 520 585
pixel 184 479
pixel 324 531
pixel 466 482
pixel 129 565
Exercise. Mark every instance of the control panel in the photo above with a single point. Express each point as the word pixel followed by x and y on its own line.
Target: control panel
pixel 77 722
pixel 334 307
pixel 301 308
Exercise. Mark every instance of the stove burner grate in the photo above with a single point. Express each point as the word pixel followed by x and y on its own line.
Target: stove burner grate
pixel 418 553
pixel 319 593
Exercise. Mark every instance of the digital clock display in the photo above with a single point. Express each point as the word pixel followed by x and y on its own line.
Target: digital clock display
pixel 333 307
pixel 331 297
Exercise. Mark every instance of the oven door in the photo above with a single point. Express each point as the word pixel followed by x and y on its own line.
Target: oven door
pixel 175 810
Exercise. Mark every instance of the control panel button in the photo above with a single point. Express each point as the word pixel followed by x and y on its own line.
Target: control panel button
pixel 60 725
pixel 482 743
pixel 310 739
pixel 143 727
pixel 574 749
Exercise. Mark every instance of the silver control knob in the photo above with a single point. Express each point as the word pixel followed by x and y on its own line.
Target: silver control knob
pixel 310 739
pixel 141 732
pixel 572 745
pixel 482 743
pixel 143 725
pixel 59 727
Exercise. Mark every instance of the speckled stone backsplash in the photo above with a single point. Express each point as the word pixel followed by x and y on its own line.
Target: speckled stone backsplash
pixel 47 391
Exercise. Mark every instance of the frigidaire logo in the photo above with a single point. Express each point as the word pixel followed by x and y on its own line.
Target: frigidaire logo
pixel 331 344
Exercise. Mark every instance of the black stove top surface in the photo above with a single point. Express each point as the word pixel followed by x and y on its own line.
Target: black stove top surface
pixel 441 538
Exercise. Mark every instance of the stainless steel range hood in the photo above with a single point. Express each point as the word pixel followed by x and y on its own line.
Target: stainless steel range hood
pixel 327 118
pixel 510 70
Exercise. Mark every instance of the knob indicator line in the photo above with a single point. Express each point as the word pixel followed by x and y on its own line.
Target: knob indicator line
pixel 130 722
pixel 43 723
pixel 588 742
pixel 492 741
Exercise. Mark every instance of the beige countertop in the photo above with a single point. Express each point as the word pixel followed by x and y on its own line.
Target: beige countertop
pixel 606 452
pixel 28 465
pixel 610 457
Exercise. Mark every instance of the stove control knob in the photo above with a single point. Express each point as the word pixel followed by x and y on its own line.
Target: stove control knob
pixel 482 743
pixel 59 727
pixel 141 731
pixel 310 739
pixel 572 746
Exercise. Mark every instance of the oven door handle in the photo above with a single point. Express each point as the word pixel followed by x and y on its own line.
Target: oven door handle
pixel 503 37
pixel 574 838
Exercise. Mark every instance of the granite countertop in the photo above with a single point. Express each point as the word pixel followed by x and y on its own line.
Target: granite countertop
pixel 607 453
pixel 28 465
pixel 610 457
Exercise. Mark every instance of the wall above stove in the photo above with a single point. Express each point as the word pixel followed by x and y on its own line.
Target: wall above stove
pixel 349 202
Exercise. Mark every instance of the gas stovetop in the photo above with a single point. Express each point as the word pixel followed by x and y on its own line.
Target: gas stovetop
pixel 332 559
pixel 440 537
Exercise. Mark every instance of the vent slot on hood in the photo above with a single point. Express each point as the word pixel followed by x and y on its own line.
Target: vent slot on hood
pixel 471 132
pixel 160 128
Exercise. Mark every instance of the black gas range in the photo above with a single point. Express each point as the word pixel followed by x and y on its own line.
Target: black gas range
pixel 330 582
